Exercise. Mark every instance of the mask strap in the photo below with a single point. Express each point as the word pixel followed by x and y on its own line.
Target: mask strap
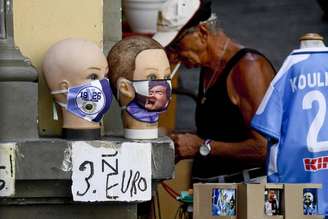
pixel 54 111
pixel 59 91
pixel 175 70
pixel 64 105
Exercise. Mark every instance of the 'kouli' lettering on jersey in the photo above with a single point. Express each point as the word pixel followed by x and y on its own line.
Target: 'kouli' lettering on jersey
pixel 310 80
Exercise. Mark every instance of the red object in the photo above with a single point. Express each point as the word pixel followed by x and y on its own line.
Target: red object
pixel 128 32
pixel 170 191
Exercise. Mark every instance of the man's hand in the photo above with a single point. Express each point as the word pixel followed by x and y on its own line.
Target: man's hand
pixel 186 145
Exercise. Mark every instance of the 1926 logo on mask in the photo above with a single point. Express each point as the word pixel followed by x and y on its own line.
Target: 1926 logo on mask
pixel 90 100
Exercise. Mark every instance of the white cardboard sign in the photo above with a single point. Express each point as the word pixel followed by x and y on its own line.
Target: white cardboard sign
pixel 7 169
pixel 117 173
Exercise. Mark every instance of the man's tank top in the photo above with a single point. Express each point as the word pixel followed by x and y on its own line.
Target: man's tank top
pixel 217 118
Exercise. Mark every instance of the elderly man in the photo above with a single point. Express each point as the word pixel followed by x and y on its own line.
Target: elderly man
pixel 233 81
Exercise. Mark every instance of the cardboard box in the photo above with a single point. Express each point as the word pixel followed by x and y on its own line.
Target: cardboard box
pixel 251 201
pixel 294 201
pixel 211 195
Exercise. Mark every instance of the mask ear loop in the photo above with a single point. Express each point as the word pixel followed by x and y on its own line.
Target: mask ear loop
pixel 54 109
pixel 175 70
pixel 59 91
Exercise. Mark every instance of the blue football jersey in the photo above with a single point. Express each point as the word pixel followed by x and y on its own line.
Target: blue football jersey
pixel 293 115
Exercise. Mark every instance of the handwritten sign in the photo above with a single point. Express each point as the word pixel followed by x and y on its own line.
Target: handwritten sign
pixel 7 169
pixel 111 173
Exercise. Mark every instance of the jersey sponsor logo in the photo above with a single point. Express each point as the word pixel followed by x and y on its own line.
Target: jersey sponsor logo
pixel 315 164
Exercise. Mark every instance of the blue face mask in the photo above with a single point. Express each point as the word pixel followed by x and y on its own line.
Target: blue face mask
pixel 89 101
pixel 151 99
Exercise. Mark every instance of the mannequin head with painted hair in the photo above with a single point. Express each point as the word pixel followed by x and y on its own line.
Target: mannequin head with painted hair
pixel 139 60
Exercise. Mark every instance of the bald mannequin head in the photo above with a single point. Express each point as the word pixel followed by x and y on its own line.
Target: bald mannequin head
pixel 69 63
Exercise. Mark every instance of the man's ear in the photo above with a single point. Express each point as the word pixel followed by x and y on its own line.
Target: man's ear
pixel 203 31
pixel 125 91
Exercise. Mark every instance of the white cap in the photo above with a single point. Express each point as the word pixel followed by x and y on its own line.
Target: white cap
pixel 172 17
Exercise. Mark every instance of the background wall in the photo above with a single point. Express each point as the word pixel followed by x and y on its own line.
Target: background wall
pixel 40 23
pixel 272 27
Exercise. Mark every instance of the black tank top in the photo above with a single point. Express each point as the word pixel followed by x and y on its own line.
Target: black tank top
pixel 217 118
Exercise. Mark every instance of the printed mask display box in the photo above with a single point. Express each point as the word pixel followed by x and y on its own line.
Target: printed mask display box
pixel 261 201
pixel 255 201
pixel 301 201
pixel 215 200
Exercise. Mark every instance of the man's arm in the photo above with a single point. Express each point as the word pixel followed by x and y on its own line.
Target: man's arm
pixel 247 85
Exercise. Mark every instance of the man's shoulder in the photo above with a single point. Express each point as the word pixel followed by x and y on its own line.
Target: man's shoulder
pixel 252 66
pixel 250 77
pixel 254 60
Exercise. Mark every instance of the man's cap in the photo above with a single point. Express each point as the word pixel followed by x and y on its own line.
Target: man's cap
pixel 176 16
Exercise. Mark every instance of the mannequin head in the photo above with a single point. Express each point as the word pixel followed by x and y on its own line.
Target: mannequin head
pixel 139 59
pixel 311 40
pixel 69 63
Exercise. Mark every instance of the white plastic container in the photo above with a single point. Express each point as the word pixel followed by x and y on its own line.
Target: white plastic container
pixel 142 14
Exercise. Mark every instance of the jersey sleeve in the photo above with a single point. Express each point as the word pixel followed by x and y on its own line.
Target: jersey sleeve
pixel 268 117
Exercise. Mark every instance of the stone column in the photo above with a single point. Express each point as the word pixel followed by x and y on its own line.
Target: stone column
pixel 18 84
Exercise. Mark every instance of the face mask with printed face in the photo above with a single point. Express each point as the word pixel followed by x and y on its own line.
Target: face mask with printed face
pixel 151 98
pixel 89 101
